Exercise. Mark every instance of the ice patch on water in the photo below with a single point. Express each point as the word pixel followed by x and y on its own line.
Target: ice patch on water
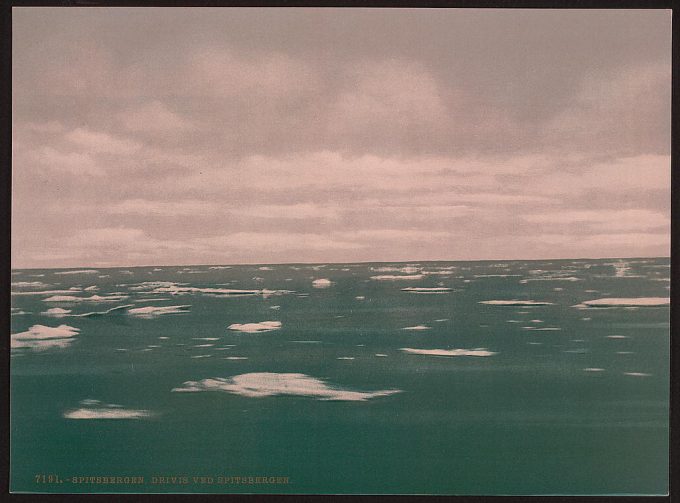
pixel 381 355
pixel 206 338
pixel 219 267
pixel 417 327
pixel 235 358
pixel 202 356
pixel 617 337
pixel 516 303
pixel 29 284
pixel 57 312
pixel 637 374
pixel 155 311
pixel 391 277
pixel 497 275
pixel 254 328
pixel 79 271
pixel 307 342
pixel 263 384
pixel 41 337
pixel 360 297
pixel 94 298
pixel 404 270
pixel 449 352
pixel 94 409
pixel 426 290
pixel 204 345
pixel 322 283
pixel 345 358
pixel 48 292
pixel 593 369
pixel 626 302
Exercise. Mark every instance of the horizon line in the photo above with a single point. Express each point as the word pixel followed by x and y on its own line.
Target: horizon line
pixel 339 263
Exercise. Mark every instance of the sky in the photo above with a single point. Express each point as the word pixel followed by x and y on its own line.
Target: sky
pixel 169 136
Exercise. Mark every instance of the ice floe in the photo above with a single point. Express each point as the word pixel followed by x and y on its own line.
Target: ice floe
pixel 449 352
pixel 392 277
pixel 516 303
pixel 155 311
pixel 417 327
pixel 626 302
pixel 28 284
pixel 79 271
pixel 254 328
pixel 41 337
pixel 93 298
pixel 404 270
pixel 426 290
pixel 637 374
pixel 264 384
pixel 94 409
pixel 322 283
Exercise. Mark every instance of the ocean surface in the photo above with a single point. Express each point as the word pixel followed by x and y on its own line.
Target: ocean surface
pixel 534 377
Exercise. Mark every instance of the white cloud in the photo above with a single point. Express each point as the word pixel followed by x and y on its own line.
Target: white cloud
pixel 154 117
pixel 101 143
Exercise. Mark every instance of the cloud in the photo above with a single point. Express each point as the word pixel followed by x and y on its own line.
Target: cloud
pixel 101 143
pixel 154 117
pixel 604 220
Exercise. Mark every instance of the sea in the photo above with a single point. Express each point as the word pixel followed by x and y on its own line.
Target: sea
pixel 443 378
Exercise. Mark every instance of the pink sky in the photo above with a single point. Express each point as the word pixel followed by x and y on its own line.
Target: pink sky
pixel 219 136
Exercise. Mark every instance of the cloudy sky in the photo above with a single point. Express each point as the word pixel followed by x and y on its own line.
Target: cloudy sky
pixel 149 136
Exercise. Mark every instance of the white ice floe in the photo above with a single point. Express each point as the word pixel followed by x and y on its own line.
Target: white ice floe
pixel 254 328
pixel 593 369
pixel 542 329
pixel 235 358
pixel 263 384
pixel 57 312
pixel 404 270
pixel 41 337
pixel 516 303
pixel 79 271
pixel 206 338
pixel 155 311
pixel 202 356
pixel 360 297
pixel 345 358
pixel 426 290
pixel 626 302
pixel 28 284
pixel 93 298
pixel 497 275
pixel 265 268
pixel 208 345
pixel 322 283
pixel 617 337
pixel 449 352
pixel 381 355
pixel 183 290
pixel 48 292
pixel 417 327
pixel 392 277
pixel 637 374
pixel 106 411
pixel 219 267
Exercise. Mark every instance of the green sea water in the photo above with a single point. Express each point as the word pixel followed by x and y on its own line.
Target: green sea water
pixel 542 397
